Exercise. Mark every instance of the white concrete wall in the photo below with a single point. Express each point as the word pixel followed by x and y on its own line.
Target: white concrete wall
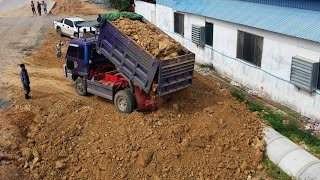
pixel 278 51
pixel 145 9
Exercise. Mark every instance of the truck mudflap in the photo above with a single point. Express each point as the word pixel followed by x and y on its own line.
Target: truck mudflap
pixel 175 74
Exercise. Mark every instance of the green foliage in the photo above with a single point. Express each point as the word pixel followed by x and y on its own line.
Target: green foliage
pixel 291 130
pixel 273 171
pixel 121 5
pixel 203 65
pixel 255 107
pixel 238 95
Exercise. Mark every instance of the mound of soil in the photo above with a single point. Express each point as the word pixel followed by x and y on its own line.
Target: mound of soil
pixel 78 7
pixel 149 38
pixel 14 126
pixel 201 133
pixel 46 54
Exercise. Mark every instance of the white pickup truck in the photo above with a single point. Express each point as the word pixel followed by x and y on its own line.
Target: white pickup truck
pixel 70 27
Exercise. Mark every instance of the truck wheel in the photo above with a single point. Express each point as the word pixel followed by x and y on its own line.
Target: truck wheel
pixel 59 31
pixel 81 87
pixel 124 101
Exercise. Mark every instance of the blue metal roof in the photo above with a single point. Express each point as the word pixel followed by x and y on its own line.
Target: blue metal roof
pixel 295 22
pixel 302 4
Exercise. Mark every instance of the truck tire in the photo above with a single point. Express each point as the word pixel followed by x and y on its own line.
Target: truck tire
pixel 59 31
pixel 81 87
pixel 124 101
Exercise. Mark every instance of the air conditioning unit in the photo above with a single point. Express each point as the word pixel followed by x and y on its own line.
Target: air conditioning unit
pixel 304 73
pixel 198 35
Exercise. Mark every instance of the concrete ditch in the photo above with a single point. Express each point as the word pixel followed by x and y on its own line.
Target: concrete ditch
pixel 291 158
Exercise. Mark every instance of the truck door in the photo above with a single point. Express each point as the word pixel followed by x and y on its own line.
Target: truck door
pixel 77 60
pixel 68 27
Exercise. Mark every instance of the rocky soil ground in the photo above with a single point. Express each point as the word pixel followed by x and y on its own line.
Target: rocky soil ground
pixel 201 133
pixel 149 38
pixel 78 7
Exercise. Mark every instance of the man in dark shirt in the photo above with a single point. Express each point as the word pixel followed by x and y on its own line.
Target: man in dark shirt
pixel 39 8
pixel 33 9
pixel 25 81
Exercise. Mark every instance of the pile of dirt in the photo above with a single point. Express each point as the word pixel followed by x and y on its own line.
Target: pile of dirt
pixel 45 55
pixel 201 133
pixel 149 38
pixel 67 6
pixel 78 7
pixel 14 126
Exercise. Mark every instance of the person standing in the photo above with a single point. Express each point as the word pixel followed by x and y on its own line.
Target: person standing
pixel 24 77
pixel 44 6
pixel 39 8
pixel 33 8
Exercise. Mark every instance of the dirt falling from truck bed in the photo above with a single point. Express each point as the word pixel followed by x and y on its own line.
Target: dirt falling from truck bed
pixel 150 38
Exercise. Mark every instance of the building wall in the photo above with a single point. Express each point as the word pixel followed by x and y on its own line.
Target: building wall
pixel 271 80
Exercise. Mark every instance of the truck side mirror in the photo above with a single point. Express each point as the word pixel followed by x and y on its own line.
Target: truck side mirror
pixel 58 50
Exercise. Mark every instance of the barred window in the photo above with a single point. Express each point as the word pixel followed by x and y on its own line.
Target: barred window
pixel 249 48
pixel 209 34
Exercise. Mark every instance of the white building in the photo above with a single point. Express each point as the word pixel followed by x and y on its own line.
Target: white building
pixel 271 49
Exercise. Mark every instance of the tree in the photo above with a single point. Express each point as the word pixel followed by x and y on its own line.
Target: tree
pixel 121 5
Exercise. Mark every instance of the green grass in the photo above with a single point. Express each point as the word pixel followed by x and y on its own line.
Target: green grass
pixel 255 107
pixel 238 95
pixel 273 171
pixel 291 129
pixel 203 65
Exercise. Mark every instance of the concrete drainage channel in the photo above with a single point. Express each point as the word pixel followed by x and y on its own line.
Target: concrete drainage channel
pixel 291 158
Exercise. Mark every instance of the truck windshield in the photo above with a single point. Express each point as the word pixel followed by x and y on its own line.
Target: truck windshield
pixel 78 22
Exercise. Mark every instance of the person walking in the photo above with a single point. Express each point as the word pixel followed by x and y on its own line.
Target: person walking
pixel 33 9
pixel 24 77
pixel 39 8
pixel 86 33
pixel 44 6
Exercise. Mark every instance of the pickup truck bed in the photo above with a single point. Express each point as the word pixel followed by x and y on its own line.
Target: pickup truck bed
pixel 144 70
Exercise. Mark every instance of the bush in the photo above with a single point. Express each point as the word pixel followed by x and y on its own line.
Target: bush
pixel 121 5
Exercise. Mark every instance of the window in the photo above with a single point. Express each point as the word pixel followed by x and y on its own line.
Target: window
pixel 70 64
pixel 68 22
pixel 179 23
pixel 249 48
pixel 81 52
pixel 76 52
pixel 209 34
pixel 72 51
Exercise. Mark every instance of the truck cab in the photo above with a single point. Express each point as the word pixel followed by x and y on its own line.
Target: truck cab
pixel 82 59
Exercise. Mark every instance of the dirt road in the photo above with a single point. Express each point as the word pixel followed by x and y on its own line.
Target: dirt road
pixel 202 133
pixel 19 37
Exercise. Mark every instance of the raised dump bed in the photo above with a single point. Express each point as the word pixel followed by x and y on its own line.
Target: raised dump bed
pixel 149 70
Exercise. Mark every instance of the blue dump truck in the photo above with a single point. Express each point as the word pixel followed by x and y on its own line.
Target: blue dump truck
pixel 111 65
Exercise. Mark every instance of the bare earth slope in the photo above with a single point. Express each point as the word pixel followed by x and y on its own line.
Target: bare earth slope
pixel 202 133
